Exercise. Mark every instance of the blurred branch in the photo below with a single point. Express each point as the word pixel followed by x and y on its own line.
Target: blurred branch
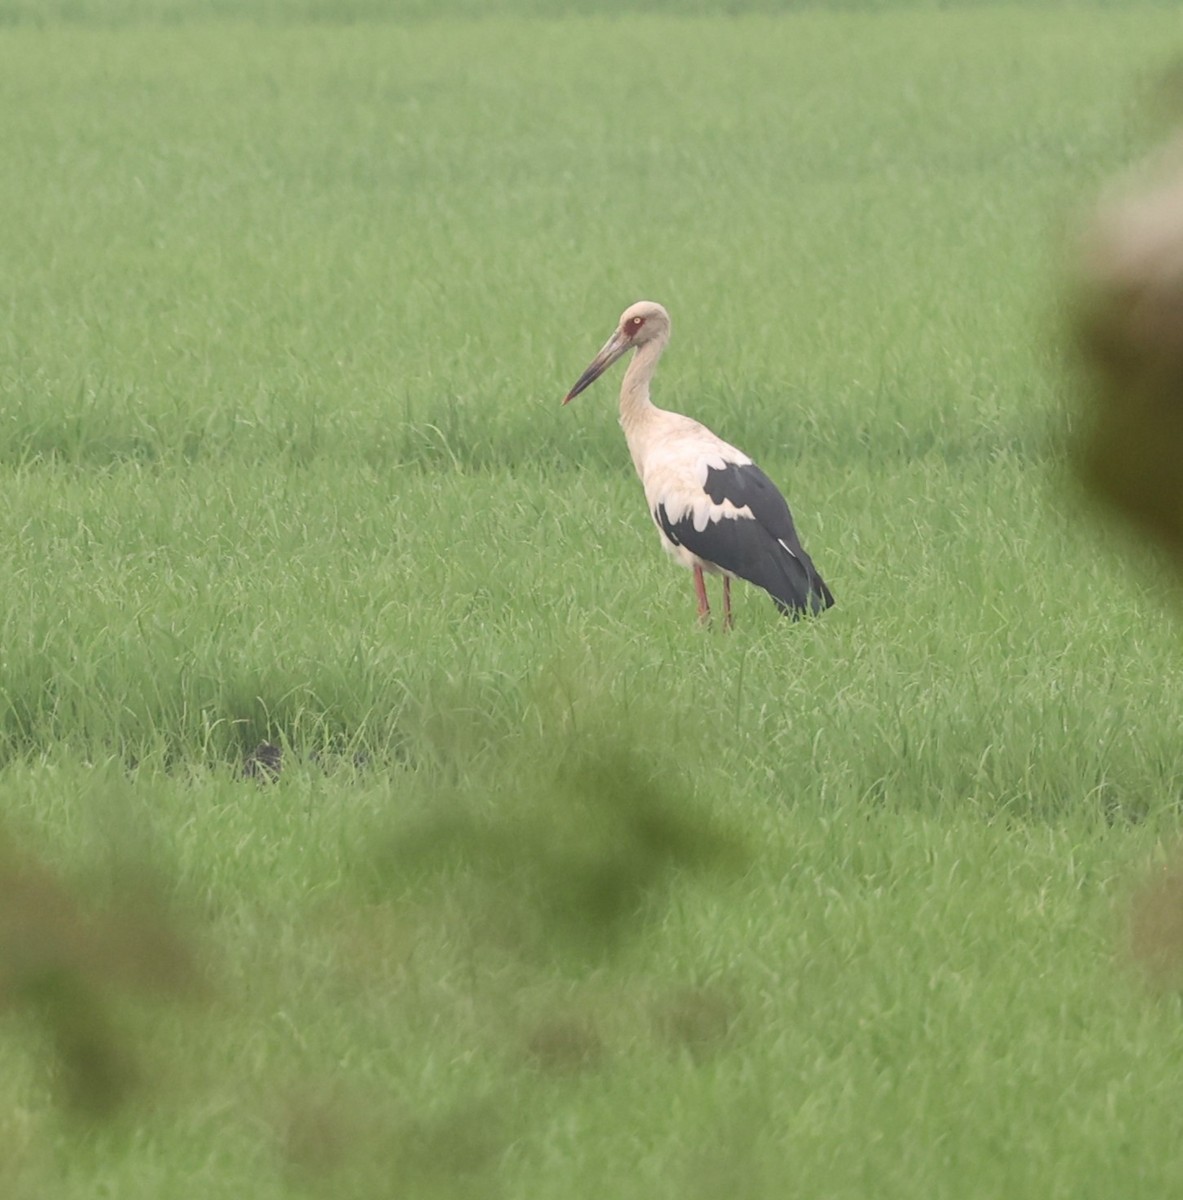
pixel 1129 321
pixel 64 963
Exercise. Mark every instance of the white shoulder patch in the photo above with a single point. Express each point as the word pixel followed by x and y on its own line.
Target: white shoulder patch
pixel 674 474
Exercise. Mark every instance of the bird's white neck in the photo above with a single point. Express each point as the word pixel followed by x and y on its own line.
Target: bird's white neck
pixel 635 405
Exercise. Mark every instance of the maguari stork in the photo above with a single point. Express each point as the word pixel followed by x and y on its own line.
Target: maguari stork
pixel 715 510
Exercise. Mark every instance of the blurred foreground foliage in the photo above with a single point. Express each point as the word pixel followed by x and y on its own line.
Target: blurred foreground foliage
pixel 1129 328
pixel 1131 331
pixel 70 962
pixel 493 909
pixel 565 857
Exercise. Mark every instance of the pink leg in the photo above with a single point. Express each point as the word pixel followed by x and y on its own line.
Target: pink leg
pixel 728 623
pixel 700 590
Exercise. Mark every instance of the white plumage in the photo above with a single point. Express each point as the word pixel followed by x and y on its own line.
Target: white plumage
pixel 714 509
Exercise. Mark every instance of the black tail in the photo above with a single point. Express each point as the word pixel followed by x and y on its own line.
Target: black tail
pixel 795 587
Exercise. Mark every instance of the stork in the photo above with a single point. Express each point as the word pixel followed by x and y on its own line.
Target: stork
pixel 715 510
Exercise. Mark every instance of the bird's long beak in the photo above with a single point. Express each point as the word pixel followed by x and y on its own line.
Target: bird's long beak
pixel 613 348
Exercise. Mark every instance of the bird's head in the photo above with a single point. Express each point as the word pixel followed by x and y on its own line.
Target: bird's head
pixel 645 321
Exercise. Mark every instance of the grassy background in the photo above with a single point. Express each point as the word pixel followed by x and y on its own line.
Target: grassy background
pixel 556 894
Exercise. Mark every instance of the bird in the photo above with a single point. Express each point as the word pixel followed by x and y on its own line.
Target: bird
pixel 716 512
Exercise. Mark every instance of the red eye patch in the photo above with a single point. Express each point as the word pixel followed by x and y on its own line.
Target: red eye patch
pixel 631 326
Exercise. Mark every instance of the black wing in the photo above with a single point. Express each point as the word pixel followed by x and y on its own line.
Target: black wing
pixel 764 548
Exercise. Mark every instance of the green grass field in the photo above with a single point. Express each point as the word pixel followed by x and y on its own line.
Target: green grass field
pixel 557 895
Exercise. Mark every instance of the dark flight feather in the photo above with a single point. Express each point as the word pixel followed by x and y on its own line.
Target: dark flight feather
pixel 764 548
